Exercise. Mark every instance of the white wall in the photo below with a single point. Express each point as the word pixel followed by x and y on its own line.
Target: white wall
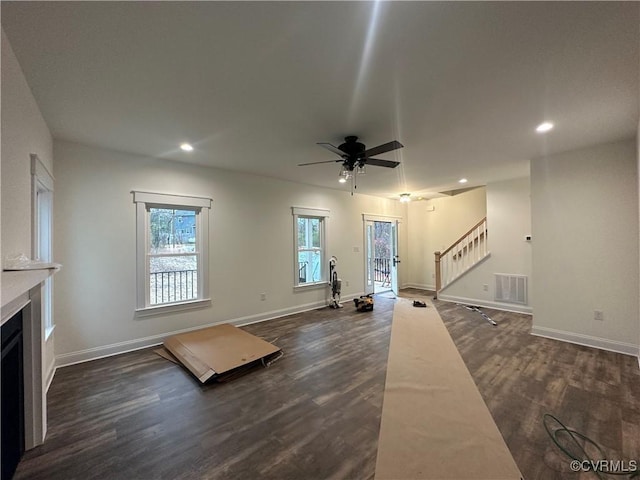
pixel 508 221
pixel 251 246
pixel 23 132
pixel 638 189
pixel 433 226
pixel 585 246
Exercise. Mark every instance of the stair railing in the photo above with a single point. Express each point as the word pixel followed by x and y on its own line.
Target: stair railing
pixel 464 253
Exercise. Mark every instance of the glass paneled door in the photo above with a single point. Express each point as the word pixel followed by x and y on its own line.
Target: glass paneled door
pixel 395 257
pixel 381 255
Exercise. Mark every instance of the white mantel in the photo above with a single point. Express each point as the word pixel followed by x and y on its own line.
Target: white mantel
pixel 21 290
pixel 15 284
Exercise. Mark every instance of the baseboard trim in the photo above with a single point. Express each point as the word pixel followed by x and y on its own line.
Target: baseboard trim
pixel 419 286
pixel 96 353
pixel 49 378
pixel 263 317
pixel 81 356
pixel 507 307
pixel 587 341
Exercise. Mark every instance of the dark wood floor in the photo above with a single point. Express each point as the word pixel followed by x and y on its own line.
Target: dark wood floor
pixel 522 377
pixel 315 413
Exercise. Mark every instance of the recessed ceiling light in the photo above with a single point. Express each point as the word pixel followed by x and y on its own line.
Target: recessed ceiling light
pixel 463 180
pixel 544 127
pixel 186 147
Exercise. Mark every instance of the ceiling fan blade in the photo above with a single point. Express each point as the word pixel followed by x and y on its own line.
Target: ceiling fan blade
pixel 315 163
pixel 332 148
pixel 384 148
pixel 378 162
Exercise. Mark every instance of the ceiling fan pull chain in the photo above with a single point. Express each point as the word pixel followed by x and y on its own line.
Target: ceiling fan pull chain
pixel 355 181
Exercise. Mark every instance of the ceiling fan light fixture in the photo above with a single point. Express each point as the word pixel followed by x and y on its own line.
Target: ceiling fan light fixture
pixel 361 170
pixel 345 173
pixel 405 197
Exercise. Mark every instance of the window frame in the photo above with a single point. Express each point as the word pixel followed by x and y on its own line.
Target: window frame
pixel 323 216
pixel 42 233
pixel 201 205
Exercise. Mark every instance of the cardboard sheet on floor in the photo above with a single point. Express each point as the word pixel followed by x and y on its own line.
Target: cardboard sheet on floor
pixel 166 354
pixel 215 351
pixel 435 424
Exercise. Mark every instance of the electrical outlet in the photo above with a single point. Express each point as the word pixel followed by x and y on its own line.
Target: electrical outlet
pixel 598 315
pixel 485 287
pixel 263 296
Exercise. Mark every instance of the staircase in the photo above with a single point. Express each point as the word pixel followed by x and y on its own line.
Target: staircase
pixel 462 255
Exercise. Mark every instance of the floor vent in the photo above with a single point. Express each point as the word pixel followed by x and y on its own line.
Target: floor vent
pixel 511 288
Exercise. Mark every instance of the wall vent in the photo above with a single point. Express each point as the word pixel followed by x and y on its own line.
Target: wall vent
pixel 511 288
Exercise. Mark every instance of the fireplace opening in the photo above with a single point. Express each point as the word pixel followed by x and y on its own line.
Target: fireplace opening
pixel 12 395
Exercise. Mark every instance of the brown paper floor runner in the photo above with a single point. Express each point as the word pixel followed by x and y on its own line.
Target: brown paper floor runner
pixel 435 424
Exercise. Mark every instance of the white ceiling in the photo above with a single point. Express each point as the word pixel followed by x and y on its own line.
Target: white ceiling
pixel 254 86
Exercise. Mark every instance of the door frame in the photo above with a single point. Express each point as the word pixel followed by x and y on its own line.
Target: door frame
pixel 367 217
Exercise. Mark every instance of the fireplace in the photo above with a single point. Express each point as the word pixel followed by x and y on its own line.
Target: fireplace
pixel 24 402
pixel 12 395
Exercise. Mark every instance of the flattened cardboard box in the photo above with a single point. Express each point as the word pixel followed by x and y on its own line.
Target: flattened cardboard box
pixel 215 350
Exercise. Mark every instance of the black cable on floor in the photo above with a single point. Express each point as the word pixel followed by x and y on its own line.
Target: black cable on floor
pixel 582 461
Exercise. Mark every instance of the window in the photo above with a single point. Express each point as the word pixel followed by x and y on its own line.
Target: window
pixel 310 246
pixel 172 251
pixel 42 227
pixel 173 257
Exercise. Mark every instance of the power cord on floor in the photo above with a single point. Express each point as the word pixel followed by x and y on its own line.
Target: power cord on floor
pixel 583 462
pixel 274 359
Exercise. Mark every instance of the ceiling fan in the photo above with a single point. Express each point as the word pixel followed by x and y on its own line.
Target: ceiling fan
pixel 354 156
